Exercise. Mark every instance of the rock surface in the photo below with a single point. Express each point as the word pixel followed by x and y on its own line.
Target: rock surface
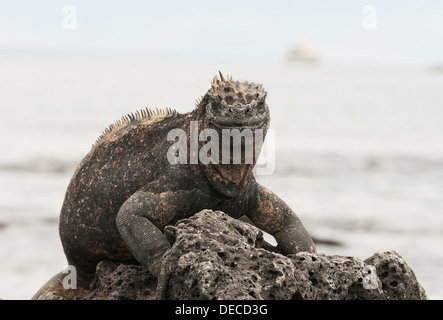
pixel 217 257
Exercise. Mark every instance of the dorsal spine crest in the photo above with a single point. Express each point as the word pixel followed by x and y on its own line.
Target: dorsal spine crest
pixel 139 115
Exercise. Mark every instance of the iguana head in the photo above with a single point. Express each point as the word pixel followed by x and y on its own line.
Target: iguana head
pixel 233 104
pixel 238 108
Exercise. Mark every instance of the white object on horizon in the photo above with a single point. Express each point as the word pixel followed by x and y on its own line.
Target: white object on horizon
pixel 306 51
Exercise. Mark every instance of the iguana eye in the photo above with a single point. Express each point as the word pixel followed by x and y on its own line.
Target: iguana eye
pixel 230 109
pixel 216 107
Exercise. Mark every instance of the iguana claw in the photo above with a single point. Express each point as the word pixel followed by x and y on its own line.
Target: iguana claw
pixel 162 285
pixel 170 234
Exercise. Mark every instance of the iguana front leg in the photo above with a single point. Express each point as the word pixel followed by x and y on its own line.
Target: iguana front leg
pixel 142 217
pixel 273 215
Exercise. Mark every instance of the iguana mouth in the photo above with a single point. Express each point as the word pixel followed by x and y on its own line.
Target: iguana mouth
pixel 227 122
pixel 238 125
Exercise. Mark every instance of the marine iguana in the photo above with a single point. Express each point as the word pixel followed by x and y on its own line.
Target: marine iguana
pixel 125 191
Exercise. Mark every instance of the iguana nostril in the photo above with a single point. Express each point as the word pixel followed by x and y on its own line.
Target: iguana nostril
pixel 247 110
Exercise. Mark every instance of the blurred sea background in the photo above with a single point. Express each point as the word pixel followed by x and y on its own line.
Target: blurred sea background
pixel 359 133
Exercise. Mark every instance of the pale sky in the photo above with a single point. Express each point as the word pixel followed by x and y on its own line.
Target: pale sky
pixel 407 32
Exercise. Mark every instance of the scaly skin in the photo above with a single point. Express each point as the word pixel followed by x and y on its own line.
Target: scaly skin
pixel 125 192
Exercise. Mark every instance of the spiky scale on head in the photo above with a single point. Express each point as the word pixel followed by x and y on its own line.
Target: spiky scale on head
pixel 232 102
pixel 234 92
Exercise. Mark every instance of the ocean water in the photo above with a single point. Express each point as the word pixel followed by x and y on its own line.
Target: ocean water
pixel 358 151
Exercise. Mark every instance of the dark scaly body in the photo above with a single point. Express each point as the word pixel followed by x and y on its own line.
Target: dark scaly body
pixel 125 191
